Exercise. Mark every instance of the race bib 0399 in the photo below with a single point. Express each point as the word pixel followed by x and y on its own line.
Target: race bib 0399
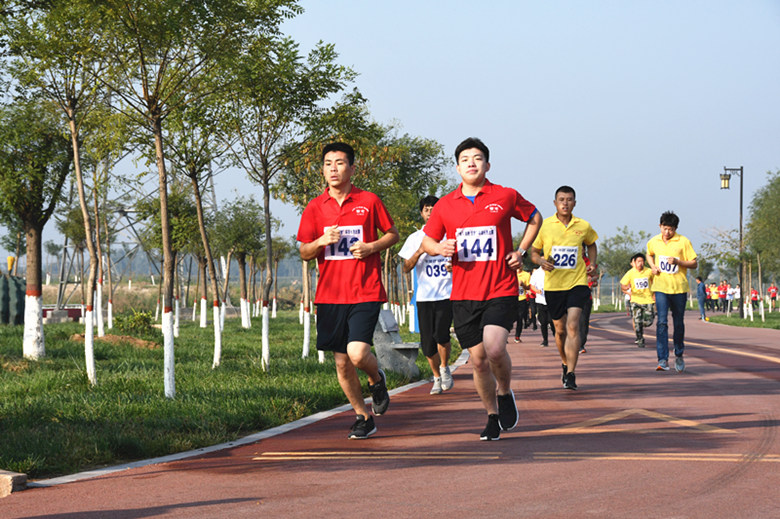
pixel 476 243
pixel 340 250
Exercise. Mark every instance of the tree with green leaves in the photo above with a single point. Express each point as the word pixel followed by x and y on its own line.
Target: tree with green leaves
pixel 34 163
pixel 50 46
pixel 763 231
pixel 166 55
pixel 240 223
pixel 273 92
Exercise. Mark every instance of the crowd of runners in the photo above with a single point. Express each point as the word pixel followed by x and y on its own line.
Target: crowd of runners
pixel 469 275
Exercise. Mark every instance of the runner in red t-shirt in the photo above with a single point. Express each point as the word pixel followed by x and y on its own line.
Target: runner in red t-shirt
pixel 772 293
pixel 476 218
pixel 754 298
pixel 340 228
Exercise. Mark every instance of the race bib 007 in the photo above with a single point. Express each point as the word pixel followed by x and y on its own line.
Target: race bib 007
pixel 665 266
pixel 476 243
pixel 565 257
pixel 340 250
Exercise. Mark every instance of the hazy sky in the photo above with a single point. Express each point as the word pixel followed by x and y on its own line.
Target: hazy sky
pixel 636 104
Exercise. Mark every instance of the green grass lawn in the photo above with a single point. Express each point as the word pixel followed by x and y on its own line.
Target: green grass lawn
pixel 772 320
pixel 52 422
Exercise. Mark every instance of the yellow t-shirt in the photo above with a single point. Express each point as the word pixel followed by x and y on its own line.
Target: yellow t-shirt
pixel 523 278
pixel 563 245
pixel 640 283
pixel 673 279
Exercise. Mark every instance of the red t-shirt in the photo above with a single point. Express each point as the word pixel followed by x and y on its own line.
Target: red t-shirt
pixel 772 291
pixel 723 291
pixel 754 294
pixel 344 279
pixel 483 235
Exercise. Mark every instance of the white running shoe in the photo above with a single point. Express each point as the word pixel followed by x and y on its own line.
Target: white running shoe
pixel 446 378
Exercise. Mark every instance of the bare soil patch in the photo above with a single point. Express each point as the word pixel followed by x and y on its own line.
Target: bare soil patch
pixel 119 339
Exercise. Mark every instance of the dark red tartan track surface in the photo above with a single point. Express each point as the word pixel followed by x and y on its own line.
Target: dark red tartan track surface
pixel 630 442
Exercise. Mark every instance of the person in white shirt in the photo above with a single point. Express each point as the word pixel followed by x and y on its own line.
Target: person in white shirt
pixel 432 289
pixel 537 282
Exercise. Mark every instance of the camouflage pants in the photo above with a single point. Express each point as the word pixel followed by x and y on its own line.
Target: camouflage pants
pixel 643 315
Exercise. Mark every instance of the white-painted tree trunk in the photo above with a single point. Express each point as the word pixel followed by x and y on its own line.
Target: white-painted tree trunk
pixel 33 345
pixel 245 313
pixel 306 334
pixel 157 311
pixel 110 314
pixel 194 311
pixel 266 353
pixel 176 312
pixel 152 279
pixel 321 356
pixel 217 336
pixel 204 318
pixel 129 284
pixel 101 330
pixel 89 347
pixel 300 313
pixel 411 317
pixel 168 362
pixel 273 309
pixel 48 279
pixel 222 316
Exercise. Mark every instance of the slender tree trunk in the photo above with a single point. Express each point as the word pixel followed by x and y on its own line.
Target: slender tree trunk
pixel 99 252
pixel 168 263
pixel 276 288
pixel 33 344
pixel 110 307
pixel 212 272
pixel 89 351
pixel 244 307
pixel 305 304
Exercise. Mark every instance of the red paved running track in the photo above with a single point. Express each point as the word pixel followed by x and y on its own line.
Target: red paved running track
pixel 631 442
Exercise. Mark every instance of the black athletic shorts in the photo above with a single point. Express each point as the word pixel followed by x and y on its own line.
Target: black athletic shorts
pixel 338 325
pixel 470 317
pixel 435 318
pixel 558 301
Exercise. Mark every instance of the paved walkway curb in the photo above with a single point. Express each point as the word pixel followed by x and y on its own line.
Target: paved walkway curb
pixel 252 438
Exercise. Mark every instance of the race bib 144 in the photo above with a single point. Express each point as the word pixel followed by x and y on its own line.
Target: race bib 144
pixel 476 243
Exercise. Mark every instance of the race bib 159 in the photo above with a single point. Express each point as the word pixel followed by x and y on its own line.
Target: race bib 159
pixel 641 283
pixel 340 250
pixel 476 243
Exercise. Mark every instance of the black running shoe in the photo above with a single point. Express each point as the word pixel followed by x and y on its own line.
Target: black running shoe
pixel 570 382
pixel 381 400
pixel 563 377
pixel 507 411
pixel 362 428
pixel 492 429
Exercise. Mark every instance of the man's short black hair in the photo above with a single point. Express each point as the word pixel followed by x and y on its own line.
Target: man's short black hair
pixel 340 146
pixel 429 200
pixel 566 189
pixel 472 142
pixel 699 278
pixel 638 255
pixel 669 219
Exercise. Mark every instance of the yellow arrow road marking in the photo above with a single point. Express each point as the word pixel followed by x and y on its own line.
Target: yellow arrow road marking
pixel 590 426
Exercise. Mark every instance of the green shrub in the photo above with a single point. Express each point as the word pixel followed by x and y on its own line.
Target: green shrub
pixel 135 323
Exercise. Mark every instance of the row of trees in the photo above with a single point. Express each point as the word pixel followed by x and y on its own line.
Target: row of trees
pixel 190 89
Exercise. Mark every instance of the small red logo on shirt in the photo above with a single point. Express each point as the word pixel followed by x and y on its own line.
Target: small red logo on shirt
pixel 494 208
pixel 360 210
